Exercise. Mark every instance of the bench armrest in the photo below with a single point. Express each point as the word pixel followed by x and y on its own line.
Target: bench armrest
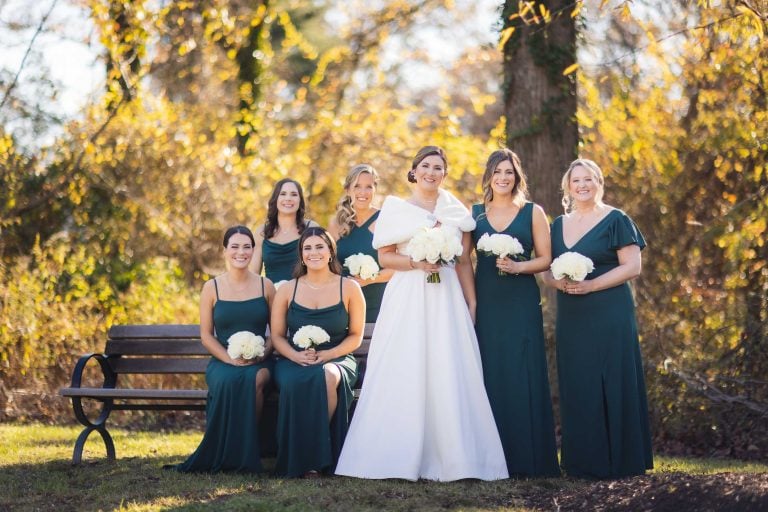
pixel 110 377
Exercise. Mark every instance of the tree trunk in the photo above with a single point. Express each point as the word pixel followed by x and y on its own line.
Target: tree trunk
pixel 540 103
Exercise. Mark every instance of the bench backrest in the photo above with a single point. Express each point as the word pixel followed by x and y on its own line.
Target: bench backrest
pixel 164 349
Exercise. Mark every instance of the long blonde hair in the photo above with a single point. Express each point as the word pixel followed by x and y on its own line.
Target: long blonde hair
pixel 346 216
pixel 596 173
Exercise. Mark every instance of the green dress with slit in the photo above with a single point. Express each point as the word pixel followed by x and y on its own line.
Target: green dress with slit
pixel 279 259
pixel 603 404
pixel 360 240
pixel 306 439
pixel 510 334
pixel 231 439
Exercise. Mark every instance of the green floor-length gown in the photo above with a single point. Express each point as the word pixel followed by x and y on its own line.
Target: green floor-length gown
pixel 510 333
pixel 359 240
pixel 306 440
pixel 279 259
pixel 231 440
pixel 603 404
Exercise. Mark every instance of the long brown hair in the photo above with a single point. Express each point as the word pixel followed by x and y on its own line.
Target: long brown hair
pixel 300 269
pixel 271 225
pixel 520 190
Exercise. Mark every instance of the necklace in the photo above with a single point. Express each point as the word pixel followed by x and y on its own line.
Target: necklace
pixel 316 287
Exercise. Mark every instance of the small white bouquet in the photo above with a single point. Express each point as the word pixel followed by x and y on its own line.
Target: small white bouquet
pixel 501 246
pixel 362 266
pixel 310 336
pixel 246 345
pixel 435 245
pixel 572 265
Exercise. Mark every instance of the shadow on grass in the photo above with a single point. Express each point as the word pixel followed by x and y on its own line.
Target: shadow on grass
pixel 141 483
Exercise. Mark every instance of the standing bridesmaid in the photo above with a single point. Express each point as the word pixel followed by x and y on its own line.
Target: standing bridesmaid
pixel 603 404
pixel 315 384
pixel 276 243
pixel 353 227
pixel 237 300
pixel 509 325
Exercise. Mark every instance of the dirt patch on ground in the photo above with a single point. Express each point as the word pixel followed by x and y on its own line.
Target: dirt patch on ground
pixel 676 492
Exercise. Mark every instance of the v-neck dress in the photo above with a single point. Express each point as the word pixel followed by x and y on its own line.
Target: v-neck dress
pixel 603 404
pixel 231 439
pixel 306 440
pixel 510 333
pixel 360 240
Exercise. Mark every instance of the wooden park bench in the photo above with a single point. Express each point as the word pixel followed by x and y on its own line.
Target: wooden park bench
pixel 159 350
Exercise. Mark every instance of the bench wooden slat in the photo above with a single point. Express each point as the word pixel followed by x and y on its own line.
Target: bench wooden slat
pixel 159 365
pixel 156 347
pixel 126 393
pixel 168 331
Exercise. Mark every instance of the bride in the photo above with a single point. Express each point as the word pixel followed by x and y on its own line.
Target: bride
pixel 423 411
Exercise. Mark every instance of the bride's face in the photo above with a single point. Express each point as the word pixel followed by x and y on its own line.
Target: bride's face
pixel 429 173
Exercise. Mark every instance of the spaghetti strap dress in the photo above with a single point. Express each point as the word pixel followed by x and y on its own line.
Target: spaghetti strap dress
pixel 279 259
pixel 306 440
pixel 231 439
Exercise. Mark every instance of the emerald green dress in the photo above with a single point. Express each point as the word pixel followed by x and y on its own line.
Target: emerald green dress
pixel 510 333
pixel 231 440
pixel 306 440
pixel 360 240
pixel 603 405
pixel 279 259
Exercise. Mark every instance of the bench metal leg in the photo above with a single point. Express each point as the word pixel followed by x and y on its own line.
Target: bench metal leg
pixel 77 455
pixel 99 425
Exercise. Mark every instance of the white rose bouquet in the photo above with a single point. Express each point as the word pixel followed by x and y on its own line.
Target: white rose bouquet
pixel 435 245
pixel 501 246
pixel 362 266
pixel 246 345
pixel 572 265
pixel 310 336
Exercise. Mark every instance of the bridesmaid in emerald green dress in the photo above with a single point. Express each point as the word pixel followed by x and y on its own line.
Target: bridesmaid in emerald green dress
pixel 603 405
pixel 276 244
pixel 510 328
pixel 316 383
pixel 237 300
pixel 353 227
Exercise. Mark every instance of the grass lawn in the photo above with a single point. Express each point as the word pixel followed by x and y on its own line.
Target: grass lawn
pixel 36 474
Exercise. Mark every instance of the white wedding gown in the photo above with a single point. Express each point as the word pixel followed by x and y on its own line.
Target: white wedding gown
pixel 423 411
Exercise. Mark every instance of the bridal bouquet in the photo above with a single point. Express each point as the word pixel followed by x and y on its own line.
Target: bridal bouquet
pixel 435 245
pixel 310 336
pixel 501 246
pixel 246 345
pixel 572 265
pixel 362 266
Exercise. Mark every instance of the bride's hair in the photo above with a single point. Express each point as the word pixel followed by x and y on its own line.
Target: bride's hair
pixel 520 190
pixel 346 216
pixel 424 153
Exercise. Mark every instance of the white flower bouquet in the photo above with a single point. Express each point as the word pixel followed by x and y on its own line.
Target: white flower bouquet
pixel 572 265
pixel 246 345
pixel 435 245
pixel 310 336
pixel 362 266
pixel 501 246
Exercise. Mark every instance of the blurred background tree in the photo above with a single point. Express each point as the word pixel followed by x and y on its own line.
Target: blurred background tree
pixel 114 212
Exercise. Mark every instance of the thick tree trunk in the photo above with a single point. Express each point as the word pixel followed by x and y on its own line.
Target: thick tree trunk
pixel 540 103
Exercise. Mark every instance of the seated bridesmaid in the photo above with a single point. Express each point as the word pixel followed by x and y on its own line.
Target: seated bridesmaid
pixel 353 225
pixel 315 383
pixel 237 300
pixel 276 242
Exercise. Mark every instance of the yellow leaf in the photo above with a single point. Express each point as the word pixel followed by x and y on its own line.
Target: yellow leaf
pixel 577 9
pixel 570 69
pixel 754 18
pixel 505 35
